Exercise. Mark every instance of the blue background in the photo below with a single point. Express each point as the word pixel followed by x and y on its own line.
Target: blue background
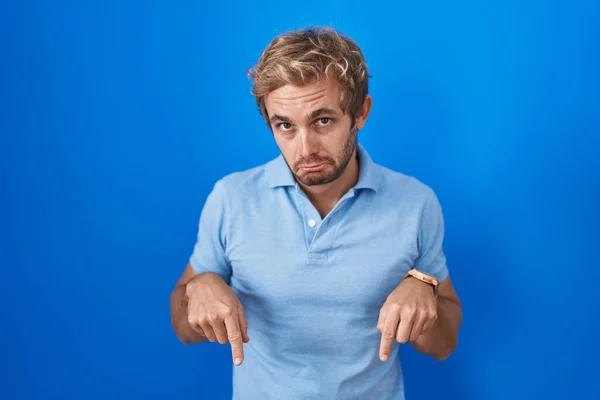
pixel 117 118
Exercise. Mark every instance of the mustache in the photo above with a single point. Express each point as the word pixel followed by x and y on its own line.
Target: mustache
pixel 313 159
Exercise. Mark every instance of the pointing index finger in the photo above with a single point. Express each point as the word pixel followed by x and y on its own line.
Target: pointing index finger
pixel 388 334
pixel 234 334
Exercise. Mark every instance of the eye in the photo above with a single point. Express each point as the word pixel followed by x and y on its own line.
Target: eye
pixel 284 126
pixel 324 121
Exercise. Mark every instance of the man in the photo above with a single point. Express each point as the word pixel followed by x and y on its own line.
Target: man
pixel 315 265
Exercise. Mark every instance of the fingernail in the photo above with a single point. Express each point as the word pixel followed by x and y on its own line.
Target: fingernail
pixel 237 361
pixel 384 358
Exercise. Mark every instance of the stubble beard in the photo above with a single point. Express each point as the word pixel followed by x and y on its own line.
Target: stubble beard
pixel 322 178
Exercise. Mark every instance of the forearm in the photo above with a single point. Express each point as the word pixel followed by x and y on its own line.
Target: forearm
pixel 179 318
pixel 441 339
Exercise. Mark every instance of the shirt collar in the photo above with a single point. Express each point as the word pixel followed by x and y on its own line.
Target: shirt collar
pixel 278 173
pixel 368 176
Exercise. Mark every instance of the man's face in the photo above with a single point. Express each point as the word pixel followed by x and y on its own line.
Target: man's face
pixel 314 136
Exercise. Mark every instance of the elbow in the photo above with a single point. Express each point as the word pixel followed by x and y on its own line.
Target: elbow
pixel 442 356
pixel 183 340
pixel 185 335
pixel 178 334
pixel 450 341
pixel 175 317
pixel 181 335
pixel 446 351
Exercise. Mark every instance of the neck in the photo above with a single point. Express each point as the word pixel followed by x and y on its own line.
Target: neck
pixel 325 197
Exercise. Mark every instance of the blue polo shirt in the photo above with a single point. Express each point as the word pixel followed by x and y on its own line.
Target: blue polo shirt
pixel 312 287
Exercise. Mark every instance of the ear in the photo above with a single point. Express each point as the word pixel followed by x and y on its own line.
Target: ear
pixel 361 119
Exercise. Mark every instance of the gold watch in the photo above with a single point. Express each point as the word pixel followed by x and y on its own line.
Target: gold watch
pixel 431 280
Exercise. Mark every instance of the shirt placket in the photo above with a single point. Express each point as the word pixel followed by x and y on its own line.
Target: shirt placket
pixel 315 227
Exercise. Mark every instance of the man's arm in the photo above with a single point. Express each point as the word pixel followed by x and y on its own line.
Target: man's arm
pixel 441 339
pixel 208 257
pixel 412 312
pixel 204 307
pixel 179 310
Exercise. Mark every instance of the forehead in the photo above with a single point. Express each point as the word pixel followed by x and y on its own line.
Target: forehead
pixel 292 100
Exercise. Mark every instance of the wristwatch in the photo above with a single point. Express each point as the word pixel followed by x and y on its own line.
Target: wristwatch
pixel 431 280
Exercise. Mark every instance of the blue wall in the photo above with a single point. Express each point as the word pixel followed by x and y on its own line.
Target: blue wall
pixel 117 118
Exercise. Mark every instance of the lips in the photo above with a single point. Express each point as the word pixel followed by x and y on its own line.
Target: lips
pixel 313 167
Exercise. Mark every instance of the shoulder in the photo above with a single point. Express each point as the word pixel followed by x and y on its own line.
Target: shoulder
pixel 410 196
pixel 243 183
pixel 399 186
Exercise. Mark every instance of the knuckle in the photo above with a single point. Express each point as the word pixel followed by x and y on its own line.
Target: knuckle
pixel 388 334
pixel 234 336
pixel 195 321
pixel 408 309
pixel 190 289
pixel 227 312
pixel 192 320
pixel 212 316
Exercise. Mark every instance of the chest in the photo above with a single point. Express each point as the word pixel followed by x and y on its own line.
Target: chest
pixel 286 257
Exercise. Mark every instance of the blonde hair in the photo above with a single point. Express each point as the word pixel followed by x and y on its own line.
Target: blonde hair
pixel 304 56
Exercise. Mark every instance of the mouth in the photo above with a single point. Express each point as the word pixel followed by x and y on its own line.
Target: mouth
pixel 313 167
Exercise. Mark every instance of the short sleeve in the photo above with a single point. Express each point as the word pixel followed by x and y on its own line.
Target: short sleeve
pixel 209 251
pixel 432 260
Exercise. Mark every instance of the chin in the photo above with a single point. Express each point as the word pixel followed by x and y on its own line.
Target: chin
pixel 313 180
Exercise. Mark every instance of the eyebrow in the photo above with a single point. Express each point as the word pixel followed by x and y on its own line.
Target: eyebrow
pixel 321 111
pixel 313 115
pixel 278 117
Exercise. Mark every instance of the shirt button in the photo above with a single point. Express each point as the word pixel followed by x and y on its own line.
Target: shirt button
pixel 312 223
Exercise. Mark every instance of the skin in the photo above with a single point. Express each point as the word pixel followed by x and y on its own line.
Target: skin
pixel 310 128
pixel 204 308
pixel 412 314
pixel 318 142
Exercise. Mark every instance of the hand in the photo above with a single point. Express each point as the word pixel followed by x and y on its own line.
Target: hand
pixel 215 312
pixel 408 312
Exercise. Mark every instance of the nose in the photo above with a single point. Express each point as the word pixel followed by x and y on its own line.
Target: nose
pixel 308 143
